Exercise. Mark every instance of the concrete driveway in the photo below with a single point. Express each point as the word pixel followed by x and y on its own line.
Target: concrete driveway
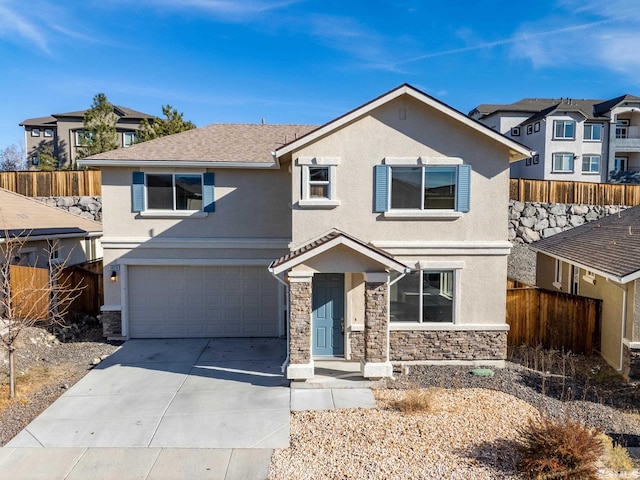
pixel 184 393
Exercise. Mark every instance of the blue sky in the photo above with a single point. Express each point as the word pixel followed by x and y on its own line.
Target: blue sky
pixel 306 61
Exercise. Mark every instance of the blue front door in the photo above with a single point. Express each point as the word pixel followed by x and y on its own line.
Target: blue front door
pixel 328 314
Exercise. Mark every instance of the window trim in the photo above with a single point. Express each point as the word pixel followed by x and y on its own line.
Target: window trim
pixel 591 156
pixel 553 162
pixel 622 128
pixel 35 132
pixel 442 267
pixel 173 187
pixel 77 134
pixel 424 172
pixel 515 131
pixel 48 132
pixel 306 163
pixel 557 276
pixel 133 138
pixel 590 138
pixel 564 129
pixel 140 199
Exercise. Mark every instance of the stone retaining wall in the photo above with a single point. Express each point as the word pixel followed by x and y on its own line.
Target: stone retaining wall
pixel 417 345
pixel 87 207
pixel 531 221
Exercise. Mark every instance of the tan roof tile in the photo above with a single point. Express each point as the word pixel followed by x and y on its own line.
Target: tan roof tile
pixel 220 142
pixel 22 214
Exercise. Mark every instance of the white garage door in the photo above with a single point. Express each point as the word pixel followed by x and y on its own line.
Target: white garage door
pixel 190 301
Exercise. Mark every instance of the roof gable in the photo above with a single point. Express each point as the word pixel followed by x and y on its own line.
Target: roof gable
pixel 609 246
pixel 517 150
pixel 329 241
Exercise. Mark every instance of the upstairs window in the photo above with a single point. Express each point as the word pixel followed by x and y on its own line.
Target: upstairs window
pixel 35 132
pixel 128 139
pixel 318 189
pixel 173 192
pixel 82 137
pixel 593 132
pixel 564 129
pixel 563 162
pixel 422 188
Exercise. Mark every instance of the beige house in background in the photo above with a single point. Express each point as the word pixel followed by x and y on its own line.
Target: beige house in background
pixel 379 237
pixel 601 260
pixel 62 132
pixel 41 227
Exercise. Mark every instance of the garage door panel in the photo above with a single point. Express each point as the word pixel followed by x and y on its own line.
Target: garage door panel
pixel 194 301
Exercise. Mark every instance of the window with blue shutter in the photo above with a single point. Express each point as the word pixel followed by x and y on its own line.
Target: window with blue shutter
pixel 422 188
pixel 463 200
pixel 137 192
pixel 208 192
pixel 381 188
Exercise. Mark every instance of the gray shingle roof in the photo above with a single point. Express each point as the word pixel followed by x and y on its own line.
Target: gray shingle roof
pixel 220 142
pixel 610 245
pixel 122 112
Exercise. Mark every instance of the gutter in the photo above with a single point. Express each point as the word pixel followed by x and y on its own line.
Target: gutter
pixel 286 286
pixel 33 238
pixel 624 320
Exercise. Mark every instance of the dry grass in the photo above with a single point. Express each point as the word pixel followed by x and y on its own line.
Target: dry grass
pixel 565 449
pixel 416 400
pixel 616 457
pixel 30 382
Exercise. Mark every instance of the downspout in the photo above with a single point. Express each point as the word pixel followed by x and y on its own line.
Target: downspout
pixel 406 271
pixel 286 291
pixel 624 320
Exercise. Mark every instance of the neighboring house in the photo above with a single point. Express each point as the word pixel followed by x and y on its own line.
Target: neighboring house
pixel 601 260
pixel 378 237
pixel 579 140
pixel 63 133
pixel 45 229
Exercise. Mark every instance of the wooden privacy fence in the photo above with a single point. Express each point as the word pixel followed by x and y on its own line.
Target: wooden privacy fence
pixel 29 292
pixel 554 191
pixel 88 277
pixel 65 183
pixel 553 319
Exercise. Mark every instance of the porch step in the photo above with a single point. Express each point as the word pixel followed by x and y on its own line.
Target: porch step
pixel 335 374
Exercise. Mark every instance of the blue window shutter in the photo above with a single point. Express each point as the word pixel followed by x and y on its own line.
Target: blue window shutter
pixel 137 192
pixel 208 192
pixel 381 188
pixel 463 192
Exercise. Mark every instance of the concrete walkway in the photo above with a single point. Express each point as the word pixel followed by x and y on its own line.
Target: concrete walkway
pixel 177 409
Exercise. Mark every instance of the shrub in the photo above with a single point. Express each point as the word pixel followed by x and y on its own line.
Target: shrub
pixel 552 450
pixel 616 457
pixel 418 400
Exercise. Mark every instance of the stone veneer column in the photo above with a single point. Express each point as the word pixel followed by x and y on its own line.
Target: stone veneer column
pixel 376 362
pixel 300 359
pixel 112 324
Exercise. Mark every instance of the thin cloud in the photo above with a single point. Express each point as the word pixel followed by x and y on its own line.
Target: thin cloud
pixel 228 9
pixel 15 24
pixel 517 39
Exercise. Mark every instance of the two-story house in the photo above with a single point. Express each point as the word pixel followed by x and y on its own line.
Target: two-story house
pixel 379 237
pixel 578 140
pixel 62 132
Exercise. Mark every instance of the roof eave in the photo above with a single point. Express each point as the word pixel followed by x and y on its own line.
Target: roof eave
pixel 88 162
pixel 516 150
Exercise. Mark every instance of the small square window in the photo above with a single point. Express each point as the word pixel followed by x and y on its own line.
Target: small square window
pixel 48 132
pixel 318 182
pixel 515 132
pixel 35 132
pixel 536 159
pixel 529 129
pixel 528 161
pixel 536 127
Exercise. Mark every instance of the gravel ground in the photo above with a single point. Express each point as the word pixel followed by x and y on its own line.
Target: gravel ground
pixel 68 362
pixel 521 264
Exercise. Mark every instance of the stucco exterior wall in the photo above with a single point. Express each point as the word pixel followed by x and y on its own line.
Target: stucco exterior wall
pixel 423 131
pixel 612 303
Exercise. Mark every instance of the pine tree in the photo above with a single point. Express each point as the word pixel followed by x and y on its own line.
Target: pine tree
pixel 160 127
pixel 99 130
